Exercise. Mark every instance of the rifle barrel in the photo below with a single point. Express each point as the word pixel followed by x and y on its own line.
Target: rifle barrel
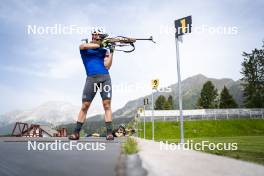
pixel 150 38
pixel 143 39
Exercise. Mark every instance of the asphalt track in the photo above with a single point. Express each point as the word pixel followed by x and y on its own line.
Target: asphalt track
pixel 17 160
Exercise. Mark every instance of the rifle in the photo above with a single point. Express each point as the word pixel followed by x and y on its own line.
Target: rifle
pixel 121 41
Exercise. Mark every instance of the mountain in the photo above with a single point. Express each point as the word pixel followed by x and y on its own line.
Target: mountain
pixel 53 113
pixel 57 113
pixel 191 88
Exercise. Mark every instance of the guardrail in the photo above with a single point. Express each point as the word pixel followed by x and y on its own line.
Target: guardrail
pixel 203 114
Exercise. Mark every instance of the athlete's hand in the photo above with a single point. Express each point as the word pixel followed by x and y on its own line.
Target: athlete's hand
pixel 111 48
pixel 104 43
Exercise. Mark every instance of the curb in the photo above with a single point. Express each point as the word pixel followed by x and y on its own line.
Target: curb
pixel 130 165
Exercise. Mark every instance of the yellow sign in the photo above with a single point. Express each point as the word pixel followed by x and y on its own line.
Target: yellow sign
pixel 155 83
pixel 140 110
pixel 183 26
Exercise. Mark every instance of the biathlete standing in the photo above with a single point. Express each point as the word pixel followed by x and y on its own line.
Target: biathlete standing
pixel 97 61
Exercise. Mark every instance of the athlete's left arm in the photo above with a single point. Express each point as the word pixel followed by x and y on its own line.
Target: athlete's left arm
pixel 108 60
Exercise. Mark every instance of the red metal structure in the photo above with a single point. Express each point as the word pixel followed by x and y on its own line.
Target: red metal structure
pixel 35 130
pixel 22 129
pixel 62 132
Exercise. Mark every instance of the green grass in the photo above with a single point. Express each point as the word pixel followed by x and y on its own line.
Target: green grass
pixel 130 146
pixel 205 128
pixel 248 134
pixel 250 148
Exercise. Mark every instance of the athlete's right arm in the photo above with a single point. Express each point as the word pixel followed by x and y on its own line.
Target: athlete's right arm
pixel 85 46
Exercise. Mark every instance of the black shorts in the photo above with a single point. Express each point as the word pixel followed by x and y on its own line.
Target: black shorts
pixel 97 82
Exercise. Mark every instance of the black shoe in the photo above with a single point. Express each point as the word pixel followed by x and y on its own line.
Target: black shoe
pixel 74 136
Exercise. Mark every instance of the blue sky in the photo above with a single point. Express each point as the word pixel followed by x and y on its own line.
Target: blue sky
pixel 39 68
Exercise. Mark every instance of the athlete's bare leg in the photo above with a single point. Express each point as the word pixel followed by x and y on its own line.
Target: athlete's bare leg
pixel 108 110
pixel 80 121
pixel 83 111
pixel 108 119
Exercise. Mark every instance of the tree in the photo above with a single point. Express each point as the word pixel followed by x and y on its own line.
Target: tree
pixel 170 101
pixel 208 97
pixel 253 78
pixel 226 100
pixel 167 105
pixel 162 103
pixel 159 103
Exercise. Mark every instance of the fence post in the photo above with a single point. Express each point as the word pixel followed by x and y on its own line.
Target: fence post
pixel 144 125
pixel 137 127
pixel 227 114
pixel 214 115
pixel 249 114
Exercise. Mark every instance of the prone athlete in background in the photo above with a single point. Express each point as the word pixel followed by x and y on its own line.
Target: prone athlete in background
pixel 120 131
